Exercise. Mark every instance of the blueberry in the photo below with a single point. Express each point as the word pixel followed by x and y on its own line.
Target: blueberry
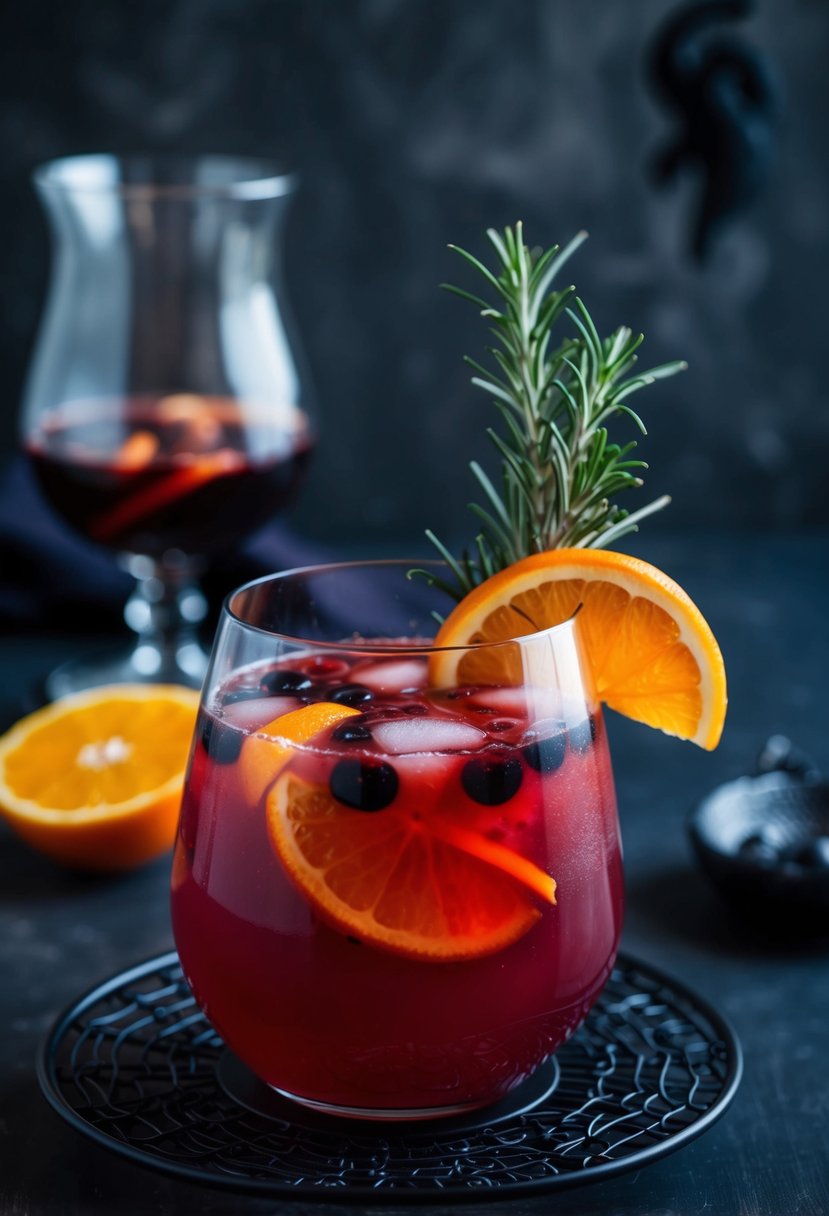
pixel 241 694
pixel 352 695
pixel 222 743
pixel 583 735
pixel 547 755
pixel 492 781
pixel 283 682
pixel 351 732
pixel 363 785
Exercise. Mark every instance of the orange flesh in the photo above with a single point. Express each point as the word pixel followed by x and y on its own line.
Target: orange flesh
pixel 401 882
pixel 95 781
pixel 653 657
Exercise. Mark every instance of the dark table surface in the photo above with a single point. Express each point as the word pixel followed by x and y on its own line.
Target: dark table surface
pixel 766 599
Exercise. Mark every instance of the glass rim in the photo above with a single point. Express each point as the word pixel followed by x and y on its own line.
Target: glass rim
pixel 257 177
pixel 373 647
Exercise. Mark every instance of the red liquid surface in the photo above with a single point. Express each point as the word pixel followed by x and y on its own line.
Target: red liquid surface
pixel 150 474
pixel 334 1020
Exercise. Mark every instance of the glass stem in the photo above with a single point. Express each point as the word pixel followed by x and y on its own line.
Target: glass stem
pixel 165 610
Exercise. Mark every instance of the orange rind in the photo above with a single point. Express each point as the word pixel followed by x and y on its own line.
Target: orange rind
pixel 653 656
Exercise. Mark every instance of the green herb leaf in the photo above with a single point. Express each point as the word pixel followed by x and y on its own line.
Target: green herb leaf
pixel 559 471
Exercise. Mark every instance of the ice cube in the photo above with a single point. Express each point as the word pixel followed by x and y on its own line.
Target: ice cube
pixel 508 702
pixel 253 715
pixel 402 736
pixel 530 701
pixel 391 676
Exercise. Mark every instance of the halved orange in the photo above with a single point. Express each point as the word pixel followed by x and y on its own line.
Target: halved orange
pixel 95 779
pixel 403 881
pixel 654 657
pixel 265 753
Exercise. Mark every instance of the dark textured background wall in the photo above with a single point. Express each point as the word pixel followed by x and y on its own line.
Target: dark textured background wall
pixel 419 122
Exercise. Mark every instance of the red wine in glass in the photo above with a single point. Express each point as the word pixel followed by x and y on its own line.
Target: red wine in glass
pixel 145 475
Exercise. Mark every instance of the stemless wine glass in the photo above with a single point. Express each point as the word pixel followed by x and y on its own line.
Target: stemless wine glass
pixel 397 881
pixel 164 413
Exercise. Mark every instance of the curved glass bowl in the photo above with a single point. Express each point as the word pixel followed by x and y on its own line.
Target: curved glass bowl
pixel 165 416
pixel 397 882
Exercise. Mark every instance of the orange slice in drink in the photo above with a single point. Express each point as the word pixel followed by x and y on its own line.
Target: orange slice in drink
pixel 95 779
pixel 265 753
pixel 403 881
pixel 654 657
pixel 162 493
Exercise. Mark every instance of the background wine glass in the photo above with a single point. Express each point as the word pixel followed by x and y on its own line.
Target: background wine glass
pixel 164 413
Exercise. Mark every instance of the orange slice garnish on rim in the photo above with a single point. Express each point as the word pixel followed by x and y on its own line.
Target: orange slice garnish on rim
pixel 95 779
pixel 404 882
pixel 653 655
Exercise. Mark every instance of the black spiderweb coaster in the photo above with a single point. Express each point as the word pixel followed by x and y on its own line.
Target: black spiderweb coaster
pixel 136 1066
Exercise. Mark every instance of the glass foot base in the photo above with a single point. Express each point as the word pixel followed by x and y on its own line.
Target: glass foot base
pixel 382 1114
pixel 142 664
pixel 240 1084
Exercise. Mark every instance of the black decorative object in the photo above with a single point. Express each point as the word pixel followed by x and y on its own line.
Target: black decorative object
pixel 764 841
pixel 136 1066
pixel 723 94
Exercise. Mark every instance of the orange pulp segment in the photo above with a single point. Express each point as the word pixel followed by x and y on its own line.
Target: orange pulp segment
pixel 653 655
pixel 95 779
pixel 399 881
pixel 265 753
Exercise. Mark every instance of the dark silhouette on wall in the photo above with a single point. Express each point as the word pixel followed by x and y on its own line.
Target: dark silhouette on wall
pixel 724 95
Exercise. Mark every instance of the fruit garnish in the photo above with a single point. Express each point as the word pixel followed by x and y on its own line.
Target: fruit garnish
pixel 94 780
pixel 653 656
pixel 542 551
pixel 136 452
pixel 402 881
pixel 265 753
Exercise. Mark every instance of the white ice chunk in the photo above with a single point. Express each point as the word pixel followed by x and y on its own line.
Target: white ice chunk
pixel 253 715
pixel 392 676
pixel 510 702
pixel 402 736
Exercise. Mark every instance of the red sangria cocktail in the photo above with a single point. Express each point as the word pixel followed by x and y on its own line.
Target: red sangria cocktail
pixel 393 897
pixel 397 883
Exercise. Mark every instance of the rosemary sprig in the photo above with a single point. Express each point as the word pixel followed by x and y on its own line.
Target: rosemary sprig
pixel 559 470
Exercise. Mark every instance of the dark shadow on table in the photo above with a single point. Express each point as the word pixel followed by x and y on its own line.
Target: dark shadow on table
pixel 26 875
pixel 677 902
